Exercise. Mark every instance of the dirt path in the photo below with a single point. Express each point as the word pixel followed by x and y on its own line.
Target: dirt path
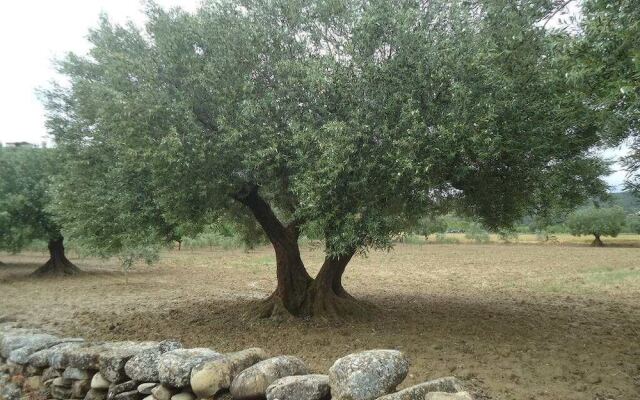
pixel 517 321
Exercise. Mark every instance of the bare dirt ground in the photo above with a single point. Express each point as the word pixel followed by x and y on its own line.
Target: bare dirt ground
pixel 518 321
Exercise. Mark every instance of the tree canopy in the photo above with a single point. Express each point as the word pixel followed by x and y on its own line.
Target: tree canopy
pixel 606 61
pixel 597 222
pixel 348 117
pixel 25 200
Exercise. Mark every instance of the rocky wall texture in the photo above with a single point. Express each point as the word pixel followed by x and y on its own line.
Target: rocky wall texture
pixel 37 365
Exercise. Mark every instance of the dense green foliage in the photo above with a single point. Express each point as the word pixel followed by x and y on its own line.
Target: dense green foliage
pixel 597 222
pixel 608 67
pixel 25 197
pixel 352 117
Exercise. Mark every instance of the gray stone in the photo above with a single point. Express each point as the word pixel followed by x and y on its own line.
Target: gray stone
pixel 61 382
pixel 60 392
pixel 367 375
pixel 149 397
pixel 143 367
pixel 163 392
pixel 112 362
pixel 448 396
pixel 32 384
pixel 448 384
pixel 10 391
pixel 50 373
pixel 34 343
pixel 80 388
pixel 86 357
pixel 131 395
pixel 183 396
pixel 213 376
pixel 98 382
pixel 302 387
pixel 146 388
pixel 52 356
pixel 15 338
pixel 253 382
pixel 96 394
pixel 76 374
pixel 115 390
pixel 174 367
pixel 30 370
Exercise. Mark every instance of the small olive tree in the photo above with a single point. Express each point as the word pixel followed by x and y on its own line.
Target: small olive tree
pixel 597 222
pixel 427 226
pixel 26 176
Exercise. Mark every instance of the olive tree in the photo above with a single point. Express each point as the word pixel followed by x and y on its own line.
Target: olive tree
pixel 351 118
pixel 597 222
pixel 25 198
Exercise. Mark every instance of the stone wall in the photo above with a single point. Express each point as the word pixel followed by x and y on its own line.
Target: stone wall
pixel 37 365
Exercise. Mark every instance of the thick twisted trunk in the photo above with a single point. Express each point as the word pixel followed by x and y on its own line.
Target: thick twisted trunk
pixel 297 293
pixel 58 264
pixel 597 242
pixel 293 279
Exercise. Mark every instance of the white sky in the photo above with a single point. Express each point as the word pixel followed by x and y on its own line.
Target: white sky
pixel 34 32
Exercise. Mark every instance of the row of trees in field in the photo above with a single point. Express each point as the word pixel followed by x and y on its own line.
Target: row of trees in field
pixel 342 120
pixel 590 221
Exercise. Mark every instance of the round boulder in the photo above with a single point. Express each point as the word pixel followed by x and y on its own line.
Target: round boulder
pixel 301 387
pixel 367 375
pixel 211 377
pixel 252 383
pixel 174 367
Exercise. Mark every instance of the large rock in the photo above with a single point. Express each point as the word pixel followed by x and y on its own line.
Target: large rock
pixel 213 376
pixel 33 384
pixel 53 356
pixel 302 387
pixel 252 383
pixel 112 362
pixel 35 343
pixel 14 340
pixel 367 375
pixel 174 367
pixel 448 396
pixel 143 367
pixel 85 356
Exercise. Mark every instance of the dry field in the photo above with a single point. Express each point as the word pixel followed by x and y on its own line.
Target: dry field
pixel 516 321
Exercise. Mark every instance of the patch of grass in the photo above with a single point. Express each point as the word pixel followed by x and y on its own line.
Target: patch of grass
pixel 610 275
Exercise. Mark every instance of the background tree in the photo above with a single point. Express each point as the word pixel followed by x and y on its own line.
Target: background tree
pixel 427 226
pixel 597 222
pixel 350 119
pixel 634 223
pixel 24 206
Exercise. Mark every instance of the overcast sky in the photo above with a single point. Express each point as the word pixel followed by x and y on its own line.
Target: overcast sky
pixel 34 32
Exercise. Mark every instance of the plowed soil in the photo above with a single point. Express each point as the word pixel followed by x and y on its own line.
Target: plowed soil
pixel 514 321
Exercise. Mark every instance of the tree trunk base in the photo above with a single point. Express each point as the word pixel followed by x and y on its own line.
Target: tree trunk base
pixel 597 243
pixel 320 303
pixel 57 268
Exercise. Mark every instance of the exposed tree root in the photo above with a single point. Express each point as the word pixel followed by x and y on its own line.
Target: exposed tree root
pixel 58 264
pixel 57 268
